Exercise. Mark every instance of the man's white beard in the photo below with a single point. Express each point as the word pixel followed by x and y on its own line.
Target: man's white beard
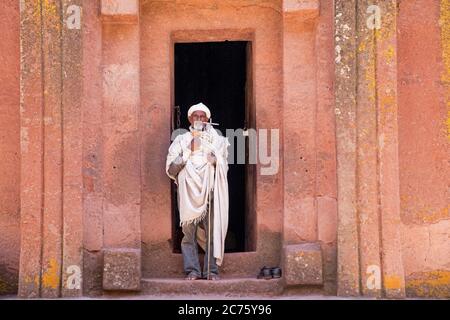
pixel 198 125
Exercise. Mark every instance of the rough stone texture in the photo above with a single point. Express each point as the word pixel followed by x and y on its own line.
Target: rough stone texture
pixel 300 101
pixel 329 256
pixel 51 153
pixel 346 143
pixel 121 163
pixel 377 183
pixel 309 163
pixel 326 185
pixel 121 159
pixel 10 147
pixel 92 149
pixel 72 82
pixel 425 255
pixel 31 141
pixel 303 264
pixel 300 220
pixel 423 79
pixel 51 263
pixel 388 169
pixel 122 269
pixel 429 284
pixel 92 273
pixel 326 219
pixel 367 189
pixel 234 287
pixel 424 89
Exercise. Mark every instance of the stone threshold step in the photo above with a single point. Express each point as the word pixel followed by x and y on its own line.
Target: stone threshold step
pixel 227 286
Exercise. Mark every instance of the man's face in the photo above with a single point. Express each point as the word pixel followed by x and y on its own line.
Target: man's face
pixel 197 116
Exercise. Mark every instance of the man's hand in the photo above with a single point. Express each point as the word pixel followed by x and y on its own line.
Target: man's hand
pixel 176 166
pixel 196 133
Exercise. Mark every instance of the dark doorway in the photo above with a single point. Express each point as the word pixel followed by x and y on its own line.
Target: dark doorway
pixel 216 74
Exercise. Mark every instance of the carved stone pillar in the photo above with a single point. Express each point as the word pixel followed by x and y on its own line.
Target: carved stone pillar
pixel 121 165
pixel 369 248
pixel 51 180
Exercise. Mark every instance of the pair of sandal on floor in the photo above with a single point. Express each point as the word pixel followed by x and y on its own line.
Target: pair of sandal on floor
pixel 193 276
pixel 269 273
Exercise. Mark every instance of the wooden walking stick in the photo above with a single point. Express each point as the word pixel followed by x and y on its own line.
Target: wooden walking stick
pixel 209 232
pixel 208 277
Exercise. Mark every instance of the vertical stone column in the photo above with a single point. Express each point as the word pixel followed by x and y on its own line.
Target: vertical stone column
pixel 51 92
pixel 388 170
pixel 302 255
pixel 92 150
pixel 348 268
pixel 367 147
pixel 52 149
pixel 121 167
pixel 10 147
pixel 326 184
pixel 31 142
pixel 445 36
pixel 72 93
pixel 41 80
pixel 366 171
pixel 300 101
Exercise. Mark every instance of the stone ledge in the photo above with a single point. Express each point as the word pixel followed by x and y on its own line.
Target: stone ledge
pixel 233 287
pixel 303 264
pixel 120 11
pixel 296 11
pixel 122 269
pixel 301 6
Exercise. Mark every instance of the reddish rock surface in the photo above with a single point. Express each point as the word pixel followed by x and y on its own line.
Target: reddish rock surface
pixel 10 147
pixel 363 118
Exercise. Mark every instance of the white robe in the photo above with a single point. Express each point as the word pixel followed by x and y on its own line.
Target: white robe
pixel 197 178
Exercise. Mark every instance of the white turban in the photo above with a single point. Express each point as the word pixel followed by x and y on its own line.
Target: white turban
pixel 199 107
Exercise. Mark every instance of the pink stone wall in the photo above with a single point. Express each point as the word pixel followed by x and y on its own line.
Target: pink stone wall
pixel 325 136
pixel 93 154
pixel 310 211
pixel 9 147
pixel 424 151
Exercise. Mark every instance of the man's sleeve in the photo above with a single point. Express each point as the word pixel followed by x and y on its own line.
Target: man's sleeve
pixel 176 158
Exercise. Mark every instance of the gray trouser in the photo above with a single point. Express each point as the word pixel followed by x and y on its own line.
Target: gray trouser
pixel 190 251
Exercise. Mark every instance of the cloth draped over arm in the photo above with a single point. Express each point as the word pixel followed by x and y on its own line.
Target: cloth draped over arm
pixel 198 179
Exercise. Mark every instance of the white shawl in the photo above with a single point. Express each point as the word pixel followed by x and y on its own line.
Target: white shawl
pixel 195 181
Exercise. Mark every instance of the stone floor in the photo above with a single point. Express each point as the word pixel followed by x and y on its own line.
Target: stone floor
pixel 199 297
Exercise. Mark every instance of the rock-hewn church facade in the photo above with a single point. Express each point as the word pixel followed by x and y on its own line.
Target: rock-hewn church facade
pixel 359 91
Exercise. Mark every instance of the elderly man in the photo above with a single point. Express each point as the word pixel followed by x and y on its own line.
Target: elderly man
pixel 197 161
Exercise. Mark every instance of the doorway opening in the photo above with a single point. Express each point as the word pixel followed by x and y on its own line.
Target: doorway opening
pixel 219 74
